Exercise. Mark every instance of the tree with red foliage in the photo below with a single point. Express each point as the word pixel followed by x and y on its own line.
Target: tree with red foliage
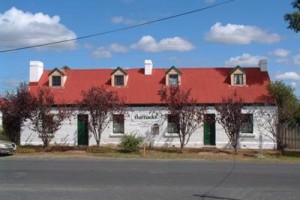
pixel 100 103
pixel 47 116
pixel 16 108
pixel 231 118
pixel 184 111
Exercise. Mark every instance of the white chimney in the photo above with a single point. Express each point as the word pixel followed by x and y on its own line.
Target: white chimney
pixel 263 65
pixel 35 71
pixel 148 67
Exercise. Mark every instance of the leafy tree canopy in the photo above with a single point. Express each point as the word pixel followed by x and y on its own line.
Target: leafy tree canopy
pixel 293 18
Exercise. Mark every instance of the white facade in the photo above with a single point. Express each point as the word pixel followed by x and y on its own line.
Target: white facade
pixel 134 123
pixel 1 123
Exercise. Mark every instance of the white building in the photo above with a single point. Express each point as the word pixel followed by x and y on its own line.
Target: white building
pixel 1 115
pixel 146 115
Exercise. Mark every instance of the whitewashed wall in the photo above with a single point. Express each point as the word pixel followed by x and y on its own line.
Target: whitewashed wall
pixel 1 120
pixel 67 135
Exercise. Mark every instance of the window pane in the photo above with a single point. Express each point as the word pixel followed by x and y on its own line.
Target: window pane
pixel 119 80
pixel 238 79
pixel 173 124
pixel 173 79
pixel 247 124
pixel 56 81
pixel 118 123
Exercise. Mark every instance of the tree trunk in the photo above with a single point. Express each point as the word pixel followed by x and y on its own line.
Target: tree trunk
pixel 98 143
pixel 181 147
pixel 46 143
pixel 280 143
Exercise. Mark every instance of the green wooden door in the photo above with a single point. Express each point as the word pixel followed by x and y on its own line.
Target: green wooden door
pixel 83 131
pixel 210 130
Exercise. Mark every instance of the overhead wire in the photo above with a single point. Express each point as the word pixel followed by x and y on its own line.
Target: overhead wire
pixel 119 29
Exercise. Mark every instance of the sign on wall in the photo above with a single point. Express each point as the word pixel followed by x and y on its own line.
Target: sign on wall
pixel 145 117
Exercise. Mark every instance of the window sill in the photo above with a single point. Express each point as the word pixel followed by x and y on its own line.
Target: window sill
pixel 249 135
pixel 117 135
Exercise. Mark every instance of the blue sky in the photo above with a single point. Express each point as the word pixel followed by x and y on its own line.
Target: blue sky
pixel 237 33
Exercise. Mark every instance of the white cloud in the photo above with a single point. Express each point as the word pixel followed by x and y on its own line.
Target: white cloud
pixel 149 44
pixel 12 82
pixel 288 76
pixel 101 52
pixel 123 20
pixel 282 60
pixel 19 29
pixel 117 48
pixel 280 52
pixel 293 84
pixel 245 60
pixel 239 34
pixel 297 60
pixel 106 52
pixel 87 46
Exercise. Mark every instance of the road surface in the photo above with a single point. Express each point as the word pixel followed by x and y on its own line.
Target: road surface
pixel 118 179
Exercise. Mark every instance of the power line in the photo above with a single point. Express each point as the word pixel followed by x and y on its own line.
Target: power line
pixel 119 29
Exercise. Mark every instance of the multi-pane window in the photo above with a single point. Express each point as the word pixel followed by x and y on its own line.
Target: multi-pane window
pixel 247 123
pixel 155 129
pixel 118 123
pixel 238 79
pixel 56 80
pixel 173 79
pixel 119 80
pixel 173 125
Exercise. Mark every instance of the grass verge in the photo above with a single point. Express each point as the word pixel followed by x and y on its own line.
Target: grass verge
pixel 158 153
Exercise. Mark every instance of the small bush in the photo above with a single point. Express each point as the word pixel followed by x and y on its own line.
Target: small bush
pixel 131 143
pixel 3 136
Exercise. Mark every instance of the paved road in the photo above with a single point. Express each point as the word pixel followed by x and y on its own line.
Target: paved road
pixel 114 179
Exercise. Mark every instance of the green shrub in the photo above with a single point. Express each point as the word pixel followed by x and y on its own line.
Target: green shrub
pixel 3 135
pixel 131 143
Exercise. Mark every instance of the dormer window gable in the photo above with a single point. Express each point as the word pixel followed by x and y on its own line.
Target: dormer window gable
pixel 57 78
pixel 119 77
pixel 173 77
pixel 238 76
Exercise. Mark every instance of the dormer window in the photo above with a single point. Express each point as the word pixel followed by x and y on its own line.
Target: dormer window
pixel 57 78
pixel 119 77
pixel 119 80
pixel 173 79
pixel 238 79
pixel 238 76
pixel 173 76
pixel 56 81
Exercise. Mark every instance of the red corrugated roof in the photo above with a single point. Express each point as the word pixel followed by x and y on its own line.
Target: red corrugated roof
pixel 208 85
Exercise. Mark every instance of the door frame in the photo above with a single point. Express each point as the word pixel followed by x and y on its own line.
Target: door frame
pixel 209 123
pixel 82 118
